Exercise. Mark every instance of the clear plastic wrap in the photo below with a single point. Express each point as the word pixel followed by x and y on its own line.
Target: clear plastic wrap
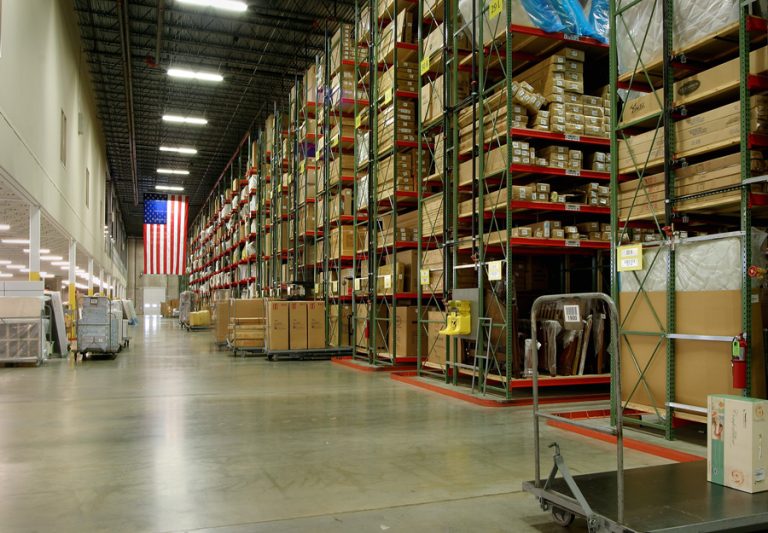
pixel 551 329
pixel 573 18
pixel 599 18
pixel 693 20
pixel 713 265
pixel 529 358
pixel 541 14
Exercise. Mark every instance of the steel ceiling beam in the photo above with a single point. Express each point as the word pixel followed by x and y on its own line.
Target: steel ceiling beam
pixel 126 47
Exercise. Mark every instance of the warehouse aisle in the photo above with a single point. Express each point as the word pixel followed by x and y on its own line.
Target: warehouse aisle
pixel 176 436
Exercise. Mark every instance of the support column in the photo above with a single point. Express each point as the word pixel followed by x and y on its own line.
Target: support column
pixel 101 282
pixel 34 243
pixel 107 289
pixel 90 276
pixel 72 274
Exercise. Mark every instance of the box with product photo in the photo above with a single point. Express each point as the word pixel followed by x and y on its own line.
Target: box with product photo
pixel 737 432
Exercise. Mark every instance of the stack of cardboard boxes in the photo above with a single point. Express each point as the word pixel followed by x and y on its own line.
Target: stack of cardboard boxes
pixel 244 324
pixel 295 325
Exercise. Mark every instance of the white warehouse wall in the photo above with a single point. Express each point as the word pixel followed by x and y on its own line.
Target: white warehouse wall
pixel 42 72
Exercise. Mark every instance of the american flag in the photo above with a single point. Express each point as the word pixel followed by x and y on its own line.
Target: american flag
pixel 165 233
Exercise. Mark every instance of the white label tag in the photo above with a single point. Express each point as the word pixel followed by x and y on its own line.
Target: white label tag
pixel 424 276
pixel 494 271
pixel 571 313
pixel 357 284
pixel 572 137
pixel 571 243
pixel 572 172
pixel 388 281
pixel 572 207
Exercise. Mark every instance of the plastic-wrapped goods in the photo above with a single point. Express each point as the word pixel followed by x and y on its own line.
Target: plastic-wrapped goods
pixel 713 265
pixel 541 14
pixel 693 20
pixel 549 15
pixel 599 18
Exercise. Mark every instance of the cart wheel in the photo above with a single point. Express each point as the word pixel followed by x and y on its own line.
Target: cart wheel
pixel 561 517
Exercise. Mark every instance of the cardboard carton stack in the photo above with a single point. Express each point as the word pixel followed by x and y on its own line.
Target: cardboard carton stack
pixel 402 118
pixel 295 325
pixel 716 129
pixel 403 25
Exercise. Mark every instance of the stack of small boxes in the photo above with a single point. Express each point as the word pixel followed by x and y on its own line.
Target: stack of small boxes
pixel 559 81
pixel 562 157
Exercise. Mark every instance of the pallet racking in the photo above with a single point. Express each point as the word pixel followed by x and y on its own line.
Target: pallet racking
pixel 468 206
pixel 654 192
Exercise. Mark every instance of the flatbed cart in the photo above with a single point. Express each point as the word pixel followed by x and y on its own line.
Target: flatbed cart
pixel 243 350
pixel 306 355
pixel 667 498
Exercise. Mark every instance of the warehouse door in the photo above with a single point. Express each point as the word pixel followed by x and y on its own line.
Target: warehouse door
pixel 153 297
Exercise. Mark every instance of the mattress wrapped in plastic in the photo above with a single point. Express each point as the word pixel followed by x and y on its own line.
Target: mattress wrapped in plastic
pixel 693 20
pixel 712 265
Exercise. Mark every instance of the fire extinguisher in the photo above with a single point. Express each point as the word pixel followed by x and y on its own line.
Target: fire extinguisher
pixel 739 362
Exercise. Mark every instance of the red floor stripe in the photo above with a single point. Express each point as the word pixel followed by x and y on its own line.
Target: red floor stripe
pixel 406 377
pixel 632 444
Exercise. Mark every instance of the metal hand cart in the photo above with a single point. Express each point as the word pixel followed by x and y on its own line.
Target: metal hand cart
pixel 675 497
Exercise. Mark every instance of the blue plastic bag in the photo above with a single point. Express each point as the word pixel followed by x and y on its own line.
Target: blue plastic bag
pixel 573 17
pixel 543 15
pixel 599 19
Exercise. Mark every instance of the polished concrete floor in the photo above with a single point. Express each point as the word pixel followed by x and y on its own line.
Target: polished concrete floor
pixel 174 435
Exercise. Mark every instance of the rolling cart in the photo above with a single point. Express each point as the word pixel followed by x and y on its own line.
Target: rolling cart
pixel 99 327
pixel 675 497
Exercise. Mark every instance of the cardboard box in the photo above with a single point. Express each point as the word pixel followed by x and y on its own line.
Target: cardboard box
pixel 696 87
pixel 435 349
pixel 278 325
pixel 403 338
pixel 200 319
pixel 736 427
pixel 298 325
pixel 222 321
pixel 315 324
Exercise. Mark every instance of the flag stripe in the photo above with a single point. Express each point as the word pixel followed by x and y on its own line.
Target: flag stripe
pixel 165 234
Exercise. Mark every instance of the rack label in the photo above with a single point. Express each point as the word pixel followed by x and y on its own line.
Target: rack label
pixel 570 37
pixel 424 276
pixel 335 287
pixel 358 120
pixel 494 271
pixel 424 65
pixel 572 172
pixel 388 281
pixel 357 284
pixel 572 243
pixel 572 137
pixel 630 257
pixel 573 207
pixel 494 8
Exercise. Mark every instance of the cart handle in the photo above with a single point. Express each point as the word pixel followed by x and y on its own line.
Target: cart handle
pixel 613 349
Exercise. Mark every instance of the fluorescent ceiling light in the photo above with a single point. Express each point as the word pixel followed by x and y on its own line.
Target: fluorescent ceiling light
pixel 42 251
pixel 24 269
pixel 178 150
pixel 61 263
pixel 168 188
pixel 6 275
pixel 173 171
pixel 185 120
pixel 229 5
pixel 4 262
pixel 46 275
pixel 51 257
pixel 5 227
pixel 194 75
pixel 15 241
pixel 14 267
